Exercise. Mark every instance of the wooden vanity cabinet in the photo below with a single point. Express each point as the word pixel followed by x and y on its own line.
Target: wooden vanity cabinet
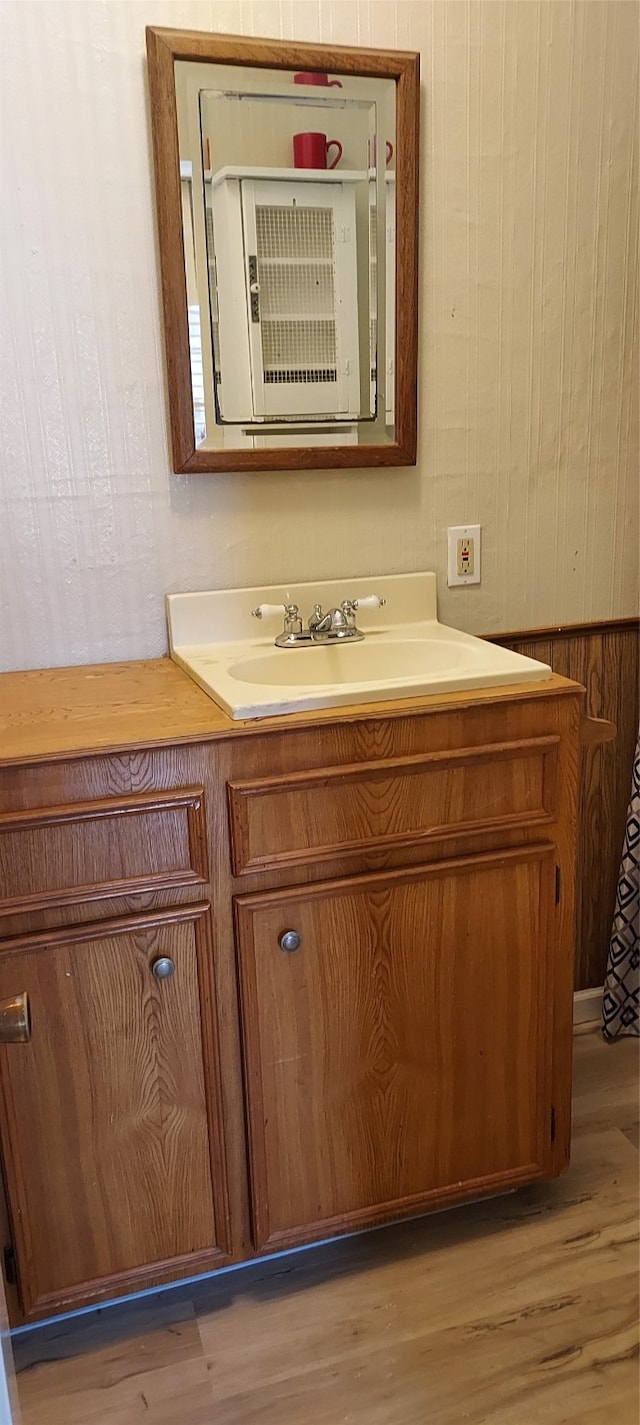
pixel 408 1045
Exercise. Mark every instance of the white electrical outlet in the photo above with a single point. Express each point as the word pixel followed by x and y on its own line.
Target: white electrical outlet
pixel 464 558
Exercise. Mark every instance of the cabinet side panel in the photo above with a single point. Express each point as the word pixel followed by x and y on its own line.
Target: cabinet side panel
pixel 562 947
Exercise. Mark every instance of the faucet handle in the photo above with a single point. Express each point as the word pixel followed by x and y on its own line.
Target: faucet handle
pixel 350 607
pixel 269 610
pixel 370 601
pixel 292 620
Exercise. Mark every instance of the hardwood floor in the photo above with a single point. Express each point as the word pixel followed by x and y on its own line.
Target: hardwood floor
pixel 517 1311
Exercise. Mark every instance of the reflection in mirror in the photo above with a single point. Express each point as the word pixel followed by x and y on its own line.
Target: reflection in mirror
pixel 287 201
pixel 288 210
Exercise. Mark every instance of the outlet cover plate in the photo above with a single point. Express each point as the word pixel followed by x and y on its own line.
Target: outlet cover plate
pixel 460 536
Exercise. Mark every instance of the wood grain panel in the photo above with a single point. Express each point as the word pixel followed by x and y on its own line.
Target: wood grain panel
pixel 395 802
pixel 112 1124
pixel 605 659
pixel 404 1049
pixel 79 852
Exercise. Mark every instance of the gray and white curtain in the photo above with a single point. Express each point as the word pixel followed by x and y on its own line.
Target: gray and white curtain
pixel 621 1001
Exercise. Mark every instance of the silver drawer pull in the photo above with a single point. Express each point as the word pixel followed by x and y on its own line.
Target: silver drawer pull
pixel 290 940
pixel 163 967
pixel 15 1020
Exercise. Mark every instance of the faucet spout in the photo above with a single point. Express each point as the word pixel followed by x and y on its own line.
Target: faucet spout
pixel 332 622
pixel 336 624
pixel 320 622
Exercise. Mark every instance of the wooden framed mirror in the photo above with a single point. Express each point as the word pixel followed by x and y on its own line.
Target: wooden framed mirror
pixel 287 199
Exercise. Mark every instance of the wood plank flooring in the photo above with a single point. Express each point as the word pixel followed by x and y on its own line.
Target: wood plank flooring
pixel 518 1311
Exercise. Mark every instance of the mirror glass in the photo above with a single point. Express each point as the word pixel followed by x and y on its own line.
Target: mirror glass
pixel 288 203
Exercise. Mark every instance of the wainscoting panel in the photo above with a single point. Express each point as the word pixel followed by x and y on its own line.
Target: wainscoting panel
pixel 605 658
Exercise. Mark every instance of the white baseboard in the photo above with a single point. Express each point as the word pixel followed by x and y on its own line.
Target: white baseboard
pixel 587 1007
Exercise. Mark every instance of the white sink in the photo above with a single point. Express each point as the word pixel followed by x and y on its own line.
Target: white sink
pixel 380 659
pixel 406 652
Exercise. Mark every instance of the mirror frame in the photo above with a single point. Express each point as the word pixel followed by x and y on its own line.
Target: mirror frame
pixel 164 47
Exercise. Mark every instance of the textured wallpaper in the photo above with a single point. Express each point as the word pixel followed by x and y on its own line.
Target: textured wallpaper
pixel 528 305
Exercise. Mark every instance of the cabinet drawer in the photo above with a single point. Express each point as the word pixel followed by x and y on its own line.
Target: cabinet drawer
pixel 89 850
pixel 314 815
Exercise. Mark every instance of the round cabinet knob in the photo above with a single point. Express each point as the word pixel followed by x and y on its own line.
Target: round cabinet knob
pixel 163 968
pixel 15 1020
pixel 290 940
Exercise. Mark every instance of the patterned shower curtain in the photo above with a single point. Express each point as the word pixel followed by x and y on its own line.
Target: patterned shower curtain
pixel 621 1001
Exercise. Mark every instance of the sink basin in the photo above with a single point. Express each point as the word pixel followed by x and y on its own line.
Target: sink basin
pixel 406 652
pixel 382 660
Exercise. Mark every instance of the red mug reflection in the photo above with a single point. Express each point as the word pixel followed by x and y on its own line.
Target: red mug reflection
pixel 309 76
pixel 311 151
pixel 373 151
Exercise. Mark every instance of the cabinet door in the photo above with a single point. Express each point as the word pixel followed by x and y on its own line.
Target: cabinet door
pixel 302 275
pixel 399 1056
pixel 110 1130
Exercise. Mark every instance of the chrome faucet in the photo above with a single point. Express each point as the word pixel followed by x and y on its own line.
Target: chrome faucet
pixel 337 625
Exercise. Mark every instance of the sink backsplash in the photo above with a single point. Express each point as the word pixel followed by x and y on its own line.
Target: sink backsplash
pixel 224 615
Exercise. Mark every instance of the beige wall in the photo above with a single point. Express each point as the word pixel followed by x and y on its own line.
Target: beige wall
pixel 528 387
